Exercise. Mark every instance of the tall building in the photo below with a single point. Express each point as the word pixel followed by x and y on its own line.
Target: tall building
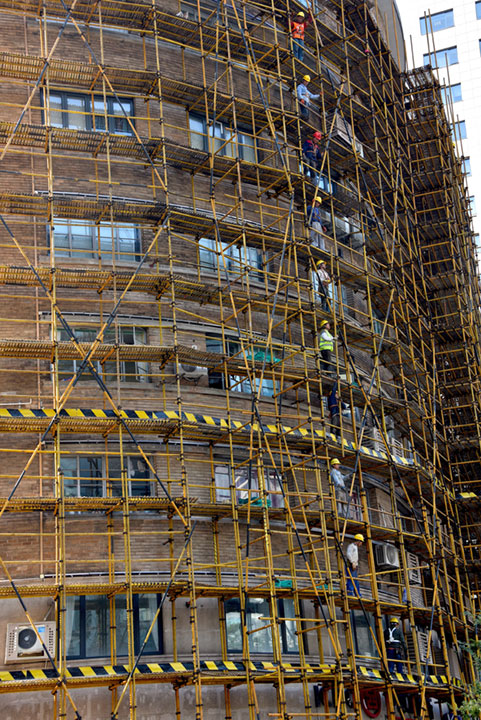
pixel 447 36
pixel 236 483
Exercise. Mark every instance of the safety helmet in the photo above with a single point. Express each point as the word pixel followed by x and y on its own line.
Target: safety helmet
pixel 359 537
pixel 307 78
pixel 335 461
pixel 317 135
pixel 301 14
pixel 394 620
pixel 320 262
pixel 324 322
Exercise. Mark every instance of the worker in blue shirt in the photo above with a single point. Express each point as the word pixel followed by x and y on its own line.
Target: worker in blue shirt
pixel 335 408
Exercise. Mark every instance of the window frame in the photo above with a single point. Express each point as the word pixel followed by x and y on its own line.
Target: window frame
pixel 282 611
pixel 459 131
pixel 230 138
pixel 89 113
pixel 223 482
pixel 238 258
pixel 430 21
pixel 136 615
pixel 94 250
pixel 236 383
pixel 432 58
pixel 448 92
pixel 477 9
pixel 358 622
pixel 142 369
pixel 105 482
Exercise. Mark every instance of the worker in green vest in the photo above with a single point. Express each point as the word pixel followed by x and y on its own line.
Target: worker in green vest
pixel 326 346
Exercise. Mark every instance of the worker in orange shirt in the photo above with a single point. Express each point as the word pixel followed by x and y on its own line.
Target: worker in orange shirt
pixel 297 26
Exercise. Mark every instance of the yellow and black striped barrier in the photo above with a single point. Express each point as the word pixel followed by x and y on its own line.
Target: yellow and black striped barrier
pixel 154 421
pixel 119 672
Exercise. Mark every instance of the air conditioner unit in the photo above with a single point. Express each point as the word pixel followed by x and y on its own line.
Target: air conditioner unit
pixel 344 131
pixel 192 372
pixel 23 644
pixel 387 556
pixel 414 571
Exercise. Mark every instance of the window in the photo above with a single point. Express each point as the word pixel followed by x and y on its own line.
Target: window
pixel 478 9
pixel 236 259
pixel 459 130
pixel 130 370
pixel 91 476
pixel 441 58
pixel 377 321
pixel 436 21
pixel 79 240
pixel 88 625
pixel 452 92
pixel 68 110
pixel 466 166
pixel 363 634
pixel 246 488
pixel 238 383
pixel 472 205
pixel 257 610
pixel 225 141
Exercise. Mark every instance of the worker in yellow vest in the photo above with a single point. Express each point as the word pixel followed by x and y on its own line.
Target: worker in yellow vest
pixel 326 346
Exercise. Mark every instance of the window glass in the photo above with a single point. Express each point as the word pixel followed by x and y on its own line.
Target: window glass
pixel 436 21
pixel 72 626
pixel 452 93
pixel 197 134
pixel 232 258
pixel 288 627
pixel 84 240
pixel 472 205
pixel 459 130
pixel 147 607
pixel 247 147
pixel 441 58
pixel 97 626
pixel 467 166
pixel 56 115
pixel 76 117
pixel 363 637
pixel 99 114
pixel 258 615
pixel 92 476
pixel 118 122
pixel 246 482
pixel 478 9
pixel 239 383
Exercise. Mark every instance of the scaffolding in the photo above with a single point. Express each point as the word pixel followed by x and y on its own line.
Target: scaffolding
pixel 168 502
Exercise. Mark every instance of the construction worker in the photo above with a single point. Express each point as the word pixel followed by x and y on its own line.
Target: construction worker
pixel 324 283
pixel 352 555
pixel 297 25
pixel 305 96
pixel 326 346
pixel 396 648
pixel 311 153
pixel 335 407
pixel 338 480
pixel 314 218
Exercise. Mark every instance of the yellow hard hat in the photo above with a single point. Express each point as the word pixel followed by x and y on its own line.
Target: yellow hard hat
pixel 335 461
pixel 301 14
pixel 359 537
pixel 320 262
pixel 394 620
pixel 324 322
pixel 307 78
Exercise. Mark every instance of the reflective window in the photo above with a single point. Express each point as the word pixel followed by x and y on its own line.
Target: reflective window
pixel 472 205
pixel 239 383
pixel 246 482
pixel 221 139
pixel 80 112
pixel 88 625
pixel 364 633
pixel 232 258
pixel 452 93
pixel 478 9
pixel 459 130
pixel 91 476
pixel 80 240
pixel 129 370
pixel 467 166
pixel 258 616
pixel 441 58
pixel 436 21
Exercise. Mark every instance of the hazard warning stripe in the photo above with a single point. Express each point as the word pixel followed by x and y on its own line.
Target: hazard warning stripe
pixel 99 671
pixel 199 421
pixel 376 674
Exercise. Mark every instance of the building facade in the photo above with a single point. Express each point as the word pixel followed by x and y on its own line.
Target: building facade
pixel 239 367
pixel 447 37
